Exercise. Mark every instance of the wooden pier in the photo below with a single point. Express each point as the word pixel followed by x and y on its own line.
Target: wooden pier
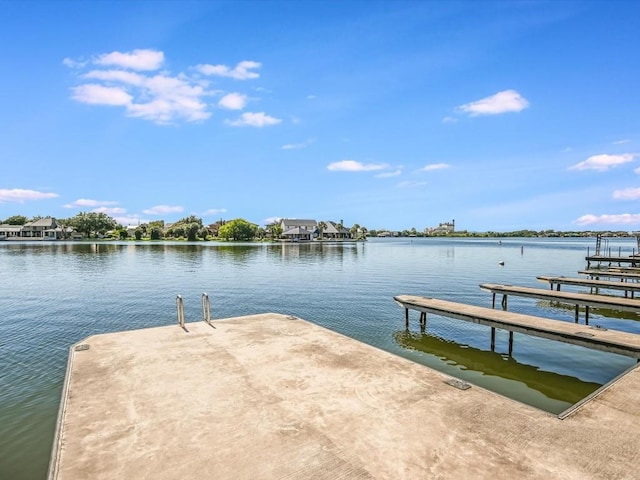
pixel 595 285
pixel 611 273
pixel 612 341
pixel 633 260
pixel 577 299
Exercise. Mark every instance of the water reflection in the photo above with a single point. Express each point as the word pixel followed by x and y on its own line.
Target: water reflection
pixel 564 388
pixel 315 250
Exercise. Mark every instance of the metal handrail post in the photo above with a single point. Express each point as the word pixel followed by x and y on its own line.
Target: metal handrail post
pixel 206 308
pixel 180 308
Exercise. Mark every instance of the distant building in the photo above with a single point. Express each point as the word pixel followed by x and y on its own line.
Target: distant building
pixel 445 228
pixel 42 229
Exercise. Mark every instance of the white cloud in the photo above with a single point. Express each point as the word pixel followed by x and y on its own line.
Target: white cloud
pixel 214 211
pixel 270 220
pixel 140 59
pixel 602 162
pixel 233 101
pixel 163 209
pixel 449 119
pixel 435 166
pixel 311 97
pixel 101 95
pixel 86 202
pixel 124 79
pixel 502 102
pixel 110 210
pixel 627 194
pixel 130 220
pixel 410 184
pixel 353 166
pixel 394 173
pixel 19 195
pixel 624 218
pixel 122 76
pixel 296 146
pixel 242 71
pixel 259 119
pixel 71 63
pixel 620 142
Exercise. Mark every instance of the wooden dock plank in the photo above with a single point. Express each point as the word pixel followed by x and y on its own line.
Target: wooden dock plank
pixel 591 300
pixel 613 341
pixel 597 273
pixel 591 283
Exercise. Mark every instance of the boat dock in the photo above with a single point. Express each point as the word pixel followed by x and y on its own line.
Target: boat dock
pixel 633 260
pixel 577 299
pixel 612 341
pixel 610 273
pixel 272 396
pixel 595 285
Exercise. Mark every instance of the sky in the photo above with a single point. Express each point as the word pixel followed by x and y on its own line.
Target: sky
pixel 393 115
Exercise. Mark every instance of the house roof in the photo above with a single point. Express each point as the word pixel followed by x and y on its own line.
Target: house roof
pixel 295 222
pixel 10 228
pixel 43 222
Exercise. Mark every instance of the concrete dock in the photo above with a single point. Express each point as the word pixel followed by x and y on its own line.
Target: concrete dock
pixel 270 396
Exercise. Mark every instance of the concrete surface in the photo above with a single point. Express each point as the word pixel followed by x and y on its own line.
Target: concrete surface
pixel 268 396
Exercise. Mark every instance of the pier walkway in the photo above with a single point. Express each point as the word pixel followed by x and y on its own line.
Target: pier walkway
pixel 611 273
pixel 633 260
pixel 577 299
pixel 612 341
pixel 273 397
pixel 629 288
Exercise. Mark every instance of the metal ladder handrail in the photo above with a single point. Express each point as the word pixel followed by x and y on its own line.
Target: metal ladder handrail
pixel 206 309
pixel 180 308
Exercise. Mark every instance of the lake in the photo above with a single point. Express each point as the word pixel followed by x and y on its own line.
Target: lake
pixel 53 294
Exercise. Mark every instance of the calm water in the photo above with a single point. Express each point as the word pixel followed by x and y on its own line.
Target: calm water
pixel 55 294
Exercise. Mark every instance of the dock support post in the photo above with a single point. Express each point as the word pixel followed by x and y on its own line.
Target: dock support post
pixel 406 317
pixel 510 343
pixel 577 311
pixel 493 339
pixel 423 321
pixel 504 302
pixel 586 314
pixel 493 301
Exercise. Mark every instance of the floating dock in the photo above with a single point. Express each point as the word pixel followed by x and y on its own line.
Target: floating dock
pixel 602 339
pixel 270 396
pixel 595 285
pixel 577 299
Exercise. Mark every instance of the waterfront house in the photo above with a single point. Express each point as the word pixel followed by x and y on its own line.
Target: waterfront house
pixel 335 231
pixel 298 229
pixel 44 228
pixel 10 231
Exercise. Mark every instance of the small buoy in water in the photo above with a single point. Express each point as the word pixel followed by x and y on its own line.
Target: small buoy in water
pixel 501 263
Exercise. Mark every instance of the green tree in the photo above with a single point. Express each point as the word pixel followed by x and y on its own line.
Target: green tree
pixel 192 231
pixel 92 222
pixel 238 229
pixel 203 233
pixel 156 233
pixel 138 233
pixel 275 230
pixel 321 228
pixel 123 233
pixel 16 220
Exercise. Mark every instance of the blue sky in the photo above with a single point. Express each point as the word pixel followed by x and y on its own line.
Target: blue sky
pixel 392 114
